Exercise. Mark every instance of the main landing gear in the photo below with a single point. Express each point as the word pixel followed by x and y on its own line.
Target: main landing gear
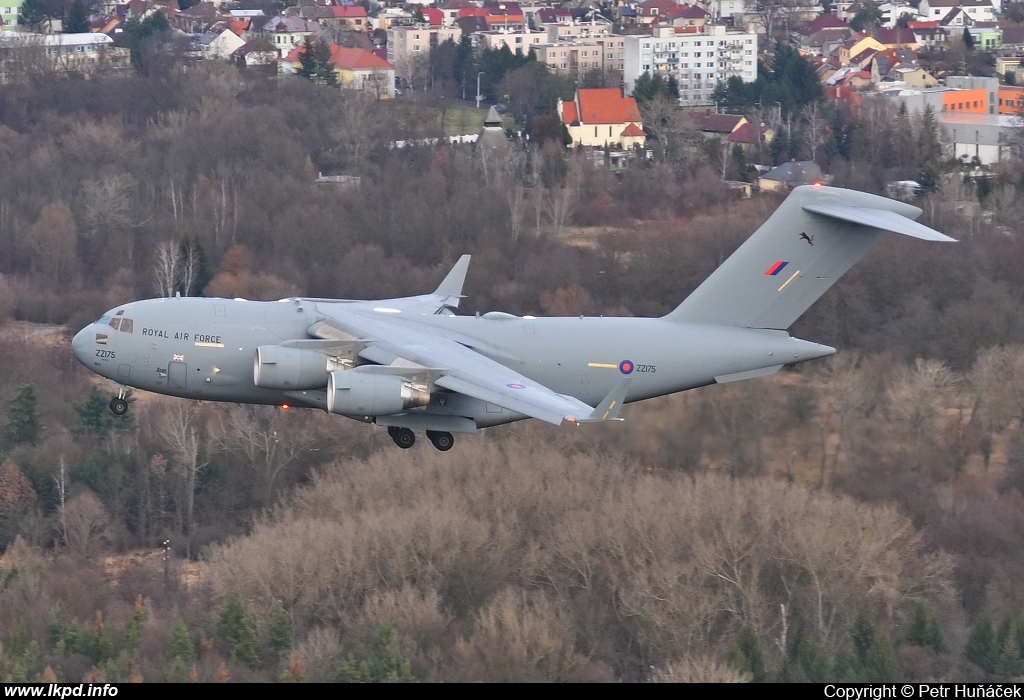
pixel 405 438
pixel 119 404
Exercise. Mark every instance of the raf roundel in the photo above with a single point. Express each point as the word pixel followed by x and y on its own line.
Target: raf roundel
pixel 626 366
pixel 515 386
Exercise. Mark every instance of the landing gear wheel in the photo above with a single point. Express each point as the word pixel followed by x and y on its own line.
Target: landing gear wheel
pixel 442 441
pixel 118 406
pixel 391 431
pixel 403 437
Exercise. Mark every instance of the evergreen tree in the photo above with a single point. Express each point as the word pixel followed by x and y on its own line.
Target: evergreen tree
pixel 77 21
pixel 873 658
pixel 280 642
pixel 805 660
pixel 744 654
pixel 325 72
pixel 95 418
pixel 236 629
pixel 646 87
pixel 923 630
pixel 982 648
pixel 968 39
pixel 180 647
pixel 22 424
pixel 307 60
pixel 385 665
pixel 32 13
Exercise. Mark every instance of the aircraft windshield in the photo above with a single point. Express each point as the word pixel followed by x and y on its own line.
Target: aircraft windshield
pixel 125 325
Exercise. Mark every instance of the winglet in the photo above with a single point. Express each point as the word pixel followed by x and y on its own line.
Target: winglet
pixel 612 404
pixel 451 285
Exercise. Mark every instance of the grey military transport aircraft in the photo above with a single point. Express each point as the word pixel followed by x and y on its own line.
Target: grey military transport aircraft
pixel 411 364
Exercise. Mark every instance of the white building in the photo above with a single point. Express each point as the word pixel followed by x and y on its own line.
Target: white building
pixel 698 62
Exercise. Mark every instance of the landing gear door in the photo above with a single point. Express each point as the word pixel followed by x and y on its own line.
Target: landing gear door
pixel 176 374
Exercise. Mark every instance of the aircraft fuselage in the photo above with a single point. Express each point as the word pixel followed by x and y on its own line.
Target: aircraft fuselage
pixel 202 348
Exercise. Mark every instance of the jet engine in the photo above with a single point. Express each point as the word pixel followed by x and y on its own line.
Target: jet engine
pixel 356 393
pixel 278 367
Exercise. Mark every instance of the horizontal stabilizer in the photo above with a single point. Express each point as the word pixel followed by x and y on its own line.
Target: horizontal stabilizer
pixel 880 219
pixel 612 404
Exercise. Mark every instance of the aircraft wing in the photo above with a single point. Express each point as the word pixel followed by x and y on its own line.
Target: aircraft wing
pixel 455 367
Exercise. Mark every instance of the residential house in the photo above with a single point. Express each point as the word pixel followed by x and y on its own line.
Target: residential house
pixel 340 17
pixel 811 37
pixel 855 46
pixel 285 33
pixel 897 38
pixel 256 53
pixel 891 12
pixel 692 18
pixel 218 45
pixel 929 35
pixel 357 69
pixel 504 15
pixel 603 117
pixel 649 10
pixel 790 175
pixel 714 125
pixel 978 10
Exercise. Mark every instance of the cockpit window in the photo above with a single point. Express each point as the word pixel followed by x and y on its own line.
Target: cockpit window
pixel 104 320
pixel 125 325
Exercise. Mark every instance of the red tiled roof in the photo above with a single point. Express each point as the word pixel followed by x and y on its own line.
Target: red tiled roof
pixel 826 21
pixel 346 11
pixel 923 25
pixel 569 113
pixel 342 57
pixel 896 36
pixel 632 130
pixel 433 15
pixel 718 123
pixel 357 59
pixel 607 106
pixel 748 133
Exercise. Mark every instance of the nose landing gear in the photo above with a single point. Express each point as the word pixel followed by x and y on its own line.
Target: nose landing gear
pixel 119 404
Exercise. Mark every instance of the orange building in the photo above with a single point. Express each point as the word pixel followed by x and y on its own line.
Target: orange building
pixel 1011 99
pixel 966 101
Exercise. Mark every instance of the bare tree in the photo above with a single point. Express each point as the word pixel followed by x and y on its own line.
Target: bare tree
pixel 814 128
pixel 265 441
pixel 87 523
pixel 166 268
pixel 180 432
pixel 515 191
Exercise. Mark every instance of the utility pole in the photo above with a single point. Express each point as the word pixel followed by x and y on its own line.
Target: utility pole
pixel 478 96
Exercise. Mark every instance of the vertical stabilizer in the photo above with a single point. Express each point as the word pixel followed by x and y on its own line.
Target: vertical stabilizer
pixel 810 241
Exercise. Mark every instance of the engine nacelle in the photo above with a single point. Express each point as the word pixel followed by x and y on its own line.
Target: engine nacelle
pixel 356 393
pixel 278 367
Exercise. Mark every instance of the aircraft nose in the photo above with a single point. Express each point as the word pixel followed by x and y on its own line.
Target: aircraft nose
pixel 80 344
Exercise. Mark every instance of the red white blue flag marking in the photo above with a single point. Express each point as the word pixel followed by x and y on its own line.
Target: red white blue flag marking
pixel 776 268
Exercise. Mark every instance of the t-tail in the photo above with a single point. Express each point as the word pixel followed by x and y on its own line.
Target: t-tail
pixel 810 241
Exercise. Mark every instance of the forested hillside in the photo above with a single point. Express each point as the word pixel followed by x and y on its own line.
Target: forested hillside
pixel 859 518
